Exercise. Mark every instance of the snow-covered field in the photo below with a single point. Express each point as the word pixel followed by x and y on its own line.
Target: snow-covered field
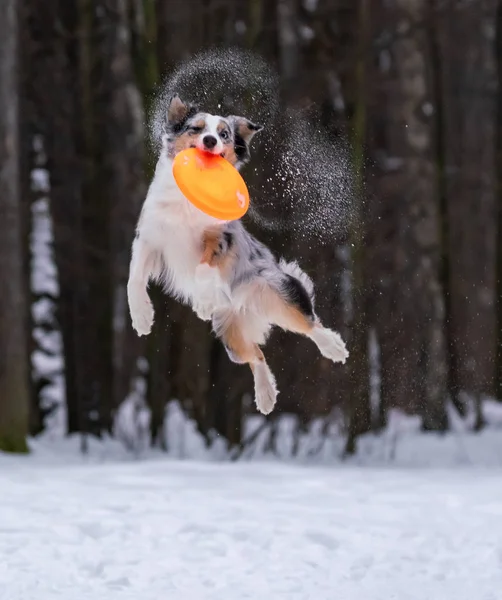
pixel 172 529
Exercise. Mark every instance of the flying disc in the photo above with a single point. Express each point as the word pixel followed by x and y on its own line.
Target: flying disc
pixel 211 184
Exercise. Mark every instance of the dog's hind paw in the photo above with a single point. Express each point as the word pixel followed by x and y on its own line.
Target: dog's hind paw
pixel 265 402
pixel 330 344
pixel 265 389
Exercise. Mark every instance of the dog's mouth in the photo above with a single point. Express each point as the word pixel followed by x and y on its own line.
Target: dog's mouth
pixel 222 154
pixel 207 151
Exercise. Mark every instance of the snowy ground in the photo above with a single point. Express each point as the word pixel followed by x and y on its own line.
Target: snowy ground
pixel 165 529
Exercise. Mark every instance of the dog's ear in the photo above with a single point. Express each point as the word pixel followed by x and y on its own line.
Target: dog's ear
pixel 245 128
pixel 177 110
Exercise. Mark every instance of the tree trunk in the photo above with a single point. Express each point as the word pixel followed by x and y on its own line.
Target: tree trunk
pixel 408 302
pixel 467 89
pixel 118 193
pixel 498 171
pixel 181 28
pixel 55 85
pixel 441 109
pixel 358 409
pixel 14 370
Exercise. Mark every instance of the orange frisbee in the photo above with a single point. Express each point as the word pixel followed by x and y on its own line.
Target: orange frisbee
pixel 211 184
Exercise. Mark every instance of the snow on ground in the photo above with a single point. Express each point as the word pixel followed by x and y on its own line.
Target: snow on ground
pixel 187 530
pixel 412 516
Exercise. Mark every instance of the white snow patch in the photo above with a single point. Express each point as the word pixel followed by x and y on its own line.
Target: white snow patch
pixel 306 33
pixel 310 5
pixel 40 180
pixel 43 268
pixel 47 359
pixel 428 109
pixel 45 364
pixel 187 530
pixel 385 60
pixel 131 425
pixel 240 27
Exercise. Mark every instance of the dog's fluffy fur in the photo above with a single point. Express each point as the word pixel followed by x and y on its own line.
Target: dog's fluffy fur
pixel 224 273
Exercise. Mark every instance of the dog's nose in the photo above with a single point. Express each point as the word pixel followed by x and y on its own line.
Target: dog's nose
pixel 209 141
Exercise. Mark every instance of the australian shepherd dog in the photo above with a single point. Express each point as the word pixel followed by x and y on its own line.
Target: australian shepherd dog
pixel 224 273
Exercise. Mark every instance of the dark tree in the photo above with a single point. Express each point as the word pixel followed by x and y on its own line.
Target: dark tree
pixel 14 366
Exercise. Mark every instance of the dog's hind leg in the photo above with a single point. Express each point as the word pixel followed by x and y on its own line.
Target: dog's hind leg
pixel 329 342
pixel 241 350
pixel 292 316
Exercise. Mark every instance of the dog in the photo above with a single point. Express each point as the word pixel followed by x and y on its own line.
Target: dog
pixel 223 272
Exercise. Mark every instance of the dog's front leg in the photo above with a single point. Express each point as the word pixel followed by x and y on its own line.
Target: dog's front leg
pixel 140 305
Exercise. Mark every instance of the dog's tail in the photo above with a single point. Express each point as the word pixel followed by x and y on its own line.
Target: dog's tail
pixel 297 287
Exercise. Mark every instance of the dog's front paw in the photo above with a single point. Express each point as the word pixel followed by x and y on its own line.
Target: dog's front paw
pixel 203 311
pixel 142 316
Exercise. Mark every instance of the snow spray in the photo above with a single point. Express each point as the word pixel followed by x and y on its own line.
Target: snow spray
pixel 308 189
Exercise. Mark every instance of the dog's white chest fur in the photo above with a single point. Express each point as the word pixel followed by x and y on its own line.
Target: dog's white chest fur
pixel 175 227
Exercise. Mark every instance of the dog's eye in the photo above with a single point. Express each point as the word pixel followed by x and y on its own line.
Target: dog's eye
pixel 224 135
pixel 195 129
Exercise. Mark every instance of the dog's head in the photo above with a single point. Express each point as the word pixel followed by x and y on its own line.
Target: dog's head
pixel 186 127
